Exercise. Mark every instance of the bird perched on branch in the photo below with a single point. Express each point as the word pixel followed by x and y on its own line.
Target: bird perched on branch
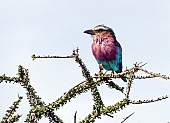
pixel 106 49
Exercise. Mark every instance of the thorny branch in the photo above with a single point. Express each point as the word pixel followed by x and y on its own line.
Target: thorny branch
pixel 9 116
pixel 39 108
pixel 148 101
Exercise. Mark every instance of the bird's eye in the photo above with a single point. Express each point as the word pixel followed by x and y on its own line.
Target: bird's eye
pixel 99 30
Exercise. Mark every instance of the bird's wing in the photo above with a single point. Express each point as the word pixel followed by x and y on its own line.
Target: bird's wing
pixel 112 51
pixel 119 55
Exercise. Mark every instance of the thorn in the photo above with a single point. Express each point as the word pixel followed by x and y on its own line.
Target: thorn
pixel 75 116
pixel 124 119
pixel 139 63
pixel 143 65
pixel 18 95
pixel 109 115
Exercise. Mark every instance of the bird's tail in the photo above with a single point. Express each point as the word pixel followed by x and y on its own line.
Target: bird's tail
pixel 124 79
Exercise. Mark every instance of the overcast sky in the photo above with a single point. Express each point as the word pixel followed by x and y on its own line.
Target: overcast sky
pixel 51 27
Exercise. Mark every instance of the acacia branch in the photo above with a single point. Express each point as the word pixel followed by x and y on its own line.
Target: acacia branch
pixel 155 74
pixel 48 56
pixel 105 110
pixel 9 117
pixel 39 108
pixel 148 101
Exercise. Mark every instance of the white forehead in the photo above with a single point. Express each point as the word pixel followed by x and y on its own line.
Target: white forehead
pixel 98 27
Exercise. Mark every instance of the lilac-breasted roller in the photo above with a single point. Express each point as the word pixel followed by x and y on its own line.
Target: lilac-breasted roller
pixel 106 49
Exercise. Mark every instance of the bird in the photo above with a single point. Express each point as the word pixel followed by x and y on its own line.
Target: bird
pixel 106 49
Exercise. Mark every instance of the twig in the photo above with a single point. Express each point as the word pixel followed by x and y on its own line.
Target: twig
pixel 105 110
pixel 9 116
pixel 75 117
pixel 124 119
pixel 155 74
pixel 111 85
pixel 48 56
pixel 129 84
pixel 143 77
pixel 148 101
pixel 109 115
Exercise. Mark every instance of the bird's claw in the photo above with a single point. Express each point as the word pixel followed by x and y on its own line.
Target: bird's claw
pixel 99 74
pixel 112 74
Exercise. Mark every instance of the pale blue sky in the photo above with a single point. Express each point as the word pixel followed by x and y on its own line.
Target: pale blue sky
pixel 56 27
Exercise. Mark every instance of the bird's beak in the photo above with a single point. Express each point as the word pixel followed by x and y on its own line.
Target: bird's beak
pixel 90 31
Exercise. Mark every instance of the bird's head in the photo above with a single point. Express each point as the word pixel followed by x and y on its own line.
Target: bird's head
pixel 99 30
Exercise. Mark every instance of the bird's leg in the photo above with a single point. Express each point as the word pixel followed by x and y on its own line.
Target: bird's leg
pixel 100 70
pixel 100 67
pixel 100 73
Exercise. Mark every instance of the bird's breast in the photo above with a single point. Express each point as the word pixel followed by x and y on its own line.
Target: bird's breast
pixel 104 50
